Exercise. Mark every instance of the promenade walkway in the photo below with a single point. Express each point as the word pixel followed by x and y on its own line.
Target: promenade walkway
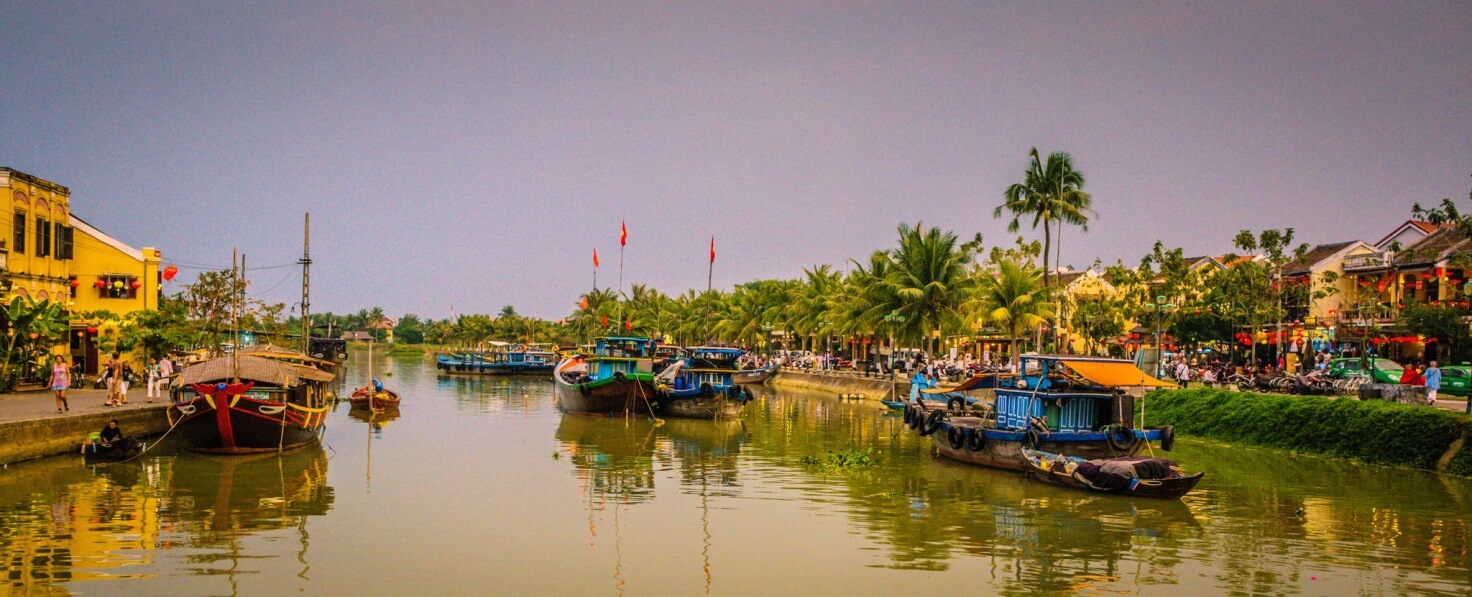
pixel 24 406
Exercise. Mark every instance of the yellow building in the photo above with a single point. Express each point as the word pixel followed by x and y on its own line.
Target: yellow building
pixel 50 254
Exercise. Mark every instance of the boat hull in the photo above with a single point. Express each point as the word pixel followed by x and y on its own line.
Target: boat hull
pixel 246 425
pixel 754 376
pixel 1007 454
pixel 1172 488
pixel 702 407
pixel 613 397
pixel 379 400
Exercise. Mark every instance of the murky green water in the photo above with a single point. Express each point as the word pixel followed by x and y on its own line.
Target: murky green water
pixel 481 486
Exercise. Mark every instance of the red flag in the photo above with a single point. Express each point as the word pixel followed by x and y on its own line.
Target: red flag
pixel 712 249
pixel 595 258
pixel 584 303
pixel 629 324
pixel 623 234
pixel 605 321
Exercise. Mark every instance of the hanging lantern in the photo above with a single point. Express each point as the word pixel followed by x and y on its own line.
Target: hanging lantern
pixel 92 331
pixel 136 285
pixel 75 283
pixel 35 335
pixel 118 284
pixel 99 284
pixel 170 272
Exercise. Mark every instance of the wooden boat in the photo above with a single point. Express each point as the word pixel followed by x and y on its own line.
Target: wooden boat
pixel 244 404
pixel 486 361
pixel 95 449
pixel 1073 406
pixel 755 376
pixel 1070 471
pixel 531 359
pixel 700 385
pixel 617 378
pixel 380 399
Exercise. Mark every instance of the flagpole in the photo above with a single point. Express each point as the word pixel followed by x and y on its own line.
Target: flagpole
pixel 623 239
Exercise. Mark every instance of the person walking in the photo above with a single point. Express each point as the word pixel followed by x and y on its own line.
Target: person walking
pixel 158 377
pixel 114 378
pixel 61 379
pixel 1183 373
pixel 1433 383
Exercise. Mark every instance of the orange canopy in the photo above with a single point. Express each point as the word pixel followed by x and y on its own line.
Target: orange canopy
pixel 1113 374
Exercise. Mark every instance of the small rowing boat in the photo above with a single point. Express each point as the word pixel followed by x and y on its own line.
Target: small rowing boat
pixel 380 399
pixel 1138 476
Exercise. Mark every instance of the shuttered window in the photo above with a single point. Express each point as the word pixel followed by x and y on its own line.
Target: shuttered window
pixel 20 233
pixel 43 237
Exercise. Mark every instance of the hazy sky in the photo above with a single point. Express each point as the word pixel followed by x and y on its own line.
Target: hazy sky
pixel 475 153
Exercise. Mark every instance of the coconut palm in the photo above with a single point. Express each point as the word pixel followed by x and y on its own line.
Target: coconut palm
pixel 1010 296
pixel 1050 192
pixel 929 279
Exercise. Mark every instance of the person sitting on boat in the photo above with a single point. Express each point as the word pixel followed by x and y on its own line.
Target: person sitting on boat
pixel 377 385
pixel 111 432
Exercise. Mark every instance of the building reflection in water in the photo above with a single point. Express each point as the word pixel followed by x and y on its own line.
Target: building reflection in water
pixel 64 522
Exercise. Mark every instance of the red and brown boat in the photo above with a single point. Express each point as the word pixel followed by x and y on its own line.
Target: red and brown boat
pixel 246 405
pixel 377 400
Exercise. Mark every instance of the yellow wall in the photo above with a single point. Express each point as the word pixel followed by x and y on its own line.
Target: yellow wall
pixel 32 275
pixel 97 261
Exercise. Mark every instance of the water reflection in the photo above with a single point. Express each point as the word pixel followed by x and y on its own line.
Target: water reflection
pixel 64 522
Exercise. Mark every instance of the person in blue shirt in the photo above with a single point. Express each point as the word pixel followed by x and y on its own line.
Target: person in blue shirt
pixel 1433 382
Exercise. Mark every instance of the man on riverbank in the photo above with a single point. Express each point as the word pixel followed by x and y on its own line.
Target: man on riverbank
pixel 1433 382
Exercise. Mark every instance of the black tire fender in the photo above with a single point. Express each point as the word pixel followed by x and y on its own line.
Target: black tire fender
pixel 1031 439
pixel 977 440
pixel 1119 438
pixel 1168 438
pixel 956 436
pixel 932 423
pixel 909 413
pixel 619 375
pixel 957 404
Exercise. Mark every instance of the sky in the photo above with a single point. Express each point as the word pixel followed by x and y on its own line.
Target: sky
pixel 472 155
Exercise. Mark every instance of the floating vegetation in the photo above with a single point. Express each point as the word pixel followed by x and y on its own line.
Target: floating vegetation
pixel 847 458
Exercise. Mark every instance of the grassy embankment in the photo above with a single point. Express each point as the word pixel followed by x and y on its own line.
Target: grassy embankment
pixel 1370 431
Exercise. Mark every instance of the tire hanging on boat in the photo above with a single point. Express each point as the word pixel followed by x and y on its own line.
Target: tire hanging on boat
pixel 977 440
pixel 1167 437
pixel 957 404
pixel 1031 439
pixel 1119 438
pixel 909 413
pixel 932 423
pixel 956 436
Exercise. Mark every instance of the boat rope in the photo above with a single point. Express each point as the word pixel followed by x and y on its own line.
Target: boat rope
pixel 156 442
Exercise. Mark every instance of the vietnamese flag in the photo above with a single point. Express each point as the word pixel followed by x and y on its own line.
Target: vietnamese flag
pixel 623 234
pixel 595 258
pixel 629 324
pixel 712 249
pixel 605 321
pixel 584 303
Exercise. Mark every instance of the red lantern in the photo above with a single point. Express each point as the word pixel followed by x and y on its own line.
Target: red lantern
pixel 92 331
pixel 99 284
pixel 136 285
pixel 171 271
pixel 75 283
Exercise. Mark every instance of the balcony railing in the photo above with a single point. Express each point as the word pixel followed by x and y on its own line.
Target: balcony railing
pixel 1367 261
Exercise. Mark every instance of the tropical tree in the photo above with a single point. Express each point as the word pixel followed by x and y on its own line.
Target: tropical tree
pixel 1009 295
pixel 930 279
pixel 1050 192
pixel 31 328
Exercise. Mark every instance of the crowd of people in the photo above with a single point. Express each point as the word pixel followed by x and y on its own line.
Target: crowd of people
pixel 117 376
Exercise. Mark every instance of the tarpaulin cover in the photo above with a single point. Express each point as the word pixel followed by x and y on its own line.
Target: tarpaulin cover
pixel 1113 374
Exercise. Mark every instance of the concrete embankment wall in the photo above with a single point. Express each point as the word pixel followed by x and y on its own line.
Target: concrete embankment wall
pixel 1367 430
pixel 872 388
pixel 37 438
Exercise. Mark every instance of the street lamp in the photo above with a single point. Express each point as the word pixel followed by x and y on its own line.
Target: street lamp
pixel 1160 306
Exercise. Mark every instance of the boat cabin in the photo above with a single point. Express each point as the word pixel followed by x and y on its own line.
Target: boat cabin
pixel 1070 394
pixel 708 365
pixel 621 355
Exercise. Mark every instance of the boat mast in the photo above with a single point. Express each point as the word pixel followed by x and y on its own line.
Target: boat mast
pixel 306 263
pixel 237 275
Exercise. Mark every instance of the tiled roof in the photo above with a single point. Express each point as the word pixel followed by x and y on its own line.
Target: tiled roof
pixel 1433 248
pixel 1313 257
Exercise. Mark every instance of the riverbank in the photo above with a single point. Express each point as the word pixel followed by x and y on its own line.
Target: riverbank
pixel 1369 430
pixel 841 382
pixel 31 428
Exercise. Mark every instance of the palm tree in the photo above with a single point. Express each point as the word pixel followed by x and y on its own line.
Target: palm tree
pixel 1011 297
pixel 1049 192
pixel 929 279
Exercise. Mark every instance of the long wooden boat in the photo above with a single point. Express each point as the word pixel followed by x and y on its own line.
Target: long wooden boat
pixel 477 362
pixel 1073 406
pixel 617 378
pixel 244 404
pixel 385 398
pixel 1168 482
pixel 700 385
pixel 755 376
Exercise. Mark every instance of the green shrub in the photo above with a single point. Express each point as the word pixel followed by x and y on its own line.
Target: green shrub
pixel 1461 464
pixel 1370 431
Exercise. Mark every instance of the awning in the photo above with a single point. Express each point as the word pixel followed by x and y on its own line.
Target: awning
pixel 1113 374
pixel 977 382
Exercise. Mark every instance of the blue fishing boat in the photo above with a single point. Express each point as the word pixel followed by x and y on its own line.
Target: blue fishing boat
pixel 491 358
pixel 701 386
pixel 531 359
pixel 1064 405
pixel 616 378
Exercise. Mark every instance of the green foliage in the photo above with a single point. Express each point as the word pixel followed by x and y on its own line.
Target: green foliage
pixel 31 328
pixel 1197 328
pixel 1370 431
pixel 1461 463
pixel 1436 321
pixel 1097 320
pixel 844 459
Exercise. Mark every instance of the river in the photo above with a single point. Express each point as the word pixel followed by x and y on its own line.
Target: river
pixel 482 486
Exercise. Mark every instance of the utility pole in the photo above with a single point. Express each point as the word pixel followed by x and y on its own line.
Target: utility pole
pixel 306 263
